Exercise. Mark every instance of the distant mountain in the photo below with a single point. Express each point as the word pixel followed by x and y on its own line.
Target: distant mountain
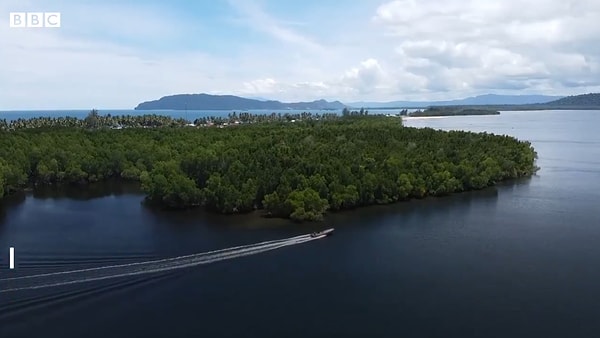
pixel 592 99
pixel 255 98
pixel 231 102
pixel 505 99
pixel 497 102
pixel 488 99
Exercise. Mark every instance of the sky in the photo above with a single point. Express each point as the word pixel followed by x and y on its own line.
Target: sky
pixel 115 54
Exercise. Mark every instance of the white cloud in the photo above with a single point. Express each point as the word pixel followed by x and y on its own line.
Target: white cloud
pixel 261 86
pixel 256 18
pixel 475 46
pixel 106 55
pixel 366 78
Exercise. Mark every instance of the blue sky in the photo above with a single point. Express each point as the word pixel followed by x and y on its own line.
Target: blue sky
pixel 115 54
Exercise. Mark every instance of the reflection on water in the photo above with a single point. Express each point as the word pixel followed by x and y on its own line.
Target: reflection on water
pixel 87 192
pixel 253 219
pixel 10 202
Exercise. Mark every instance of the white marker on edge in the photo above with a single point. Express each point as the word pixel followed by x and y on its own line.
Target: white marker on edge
pixel 12 257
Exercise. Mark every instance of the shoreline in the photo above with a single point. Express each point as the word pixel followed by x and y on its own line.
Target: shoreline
pixel 425 117
pixel 277 177
pixel 443 116
pixel 257 218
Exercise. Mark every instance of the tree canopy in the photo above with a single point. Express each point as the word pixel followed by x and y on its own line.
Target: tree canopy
pixel 297 170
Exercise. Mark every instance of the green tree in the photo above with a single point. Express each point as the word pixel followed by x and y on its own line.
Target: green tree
pixel 306 205
pixel 296 170
pixel 92 120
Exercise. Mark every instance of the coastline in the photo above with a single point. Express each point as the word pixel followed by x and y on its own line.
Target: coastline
pixel 408 118
pixel 255 219
pixel 182 177
pixel 424 117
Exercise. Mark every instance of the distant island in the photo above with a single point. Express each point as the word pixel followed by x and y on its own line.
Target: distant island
pixel 453 111
pixel 589 101
pixel 584 100
pixel 231 102
pixel 480 100
pixel 478 105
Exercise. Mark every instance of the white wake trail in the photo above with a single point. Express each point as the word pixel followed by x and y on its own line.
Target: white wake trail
pixel 235 248
pixel 133 269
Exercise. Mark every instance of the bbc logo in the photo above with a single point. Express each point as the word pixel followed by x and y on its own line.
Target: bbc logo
pixel 35 19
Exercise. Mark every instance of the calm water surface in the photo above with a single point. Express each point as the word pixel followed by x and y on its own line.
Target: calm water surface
pixel 517 260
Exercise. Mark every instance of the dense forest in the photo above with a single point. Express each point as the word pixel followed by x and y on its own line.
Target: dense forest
pixel 297 170
pixel 94 120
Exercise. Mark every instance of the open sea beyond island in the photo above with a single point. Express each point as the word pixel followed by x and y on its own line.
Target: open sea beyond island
pixel 515 260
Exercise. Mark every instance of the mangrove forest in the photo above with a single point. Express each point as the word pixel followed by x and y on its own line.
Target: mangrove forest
pixel 298 169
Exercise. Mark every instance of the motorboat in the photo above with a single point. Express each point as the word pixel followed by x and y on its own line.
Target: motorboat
pixel 327 232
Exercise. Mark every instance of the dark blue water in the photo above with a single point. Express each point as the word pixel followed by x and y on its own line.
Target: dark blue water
pixel 517 260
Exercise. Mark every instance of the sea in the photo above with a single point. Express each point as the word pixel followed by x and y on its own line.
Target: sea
pixel 516 260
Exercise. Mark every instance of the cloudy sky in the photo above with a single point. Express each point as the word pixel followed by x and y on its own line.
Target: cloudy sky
pixel 115 54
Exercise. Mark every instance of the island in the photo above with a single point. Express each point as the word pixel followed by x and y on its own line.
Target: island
pixel 453 111
pixel 579 102
pixel 590 101
pixel 479 105
pixel 297 167
pixel 231 102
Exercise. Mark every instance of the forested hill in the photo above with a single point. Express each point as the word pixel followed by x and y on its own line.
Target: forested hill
pixel 298 170
pixel 230 102
pixel 592 99
pixel 589 101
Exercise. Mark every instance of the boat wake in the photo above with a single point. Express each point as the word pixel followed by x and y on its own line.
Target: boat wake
pixel 132 269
